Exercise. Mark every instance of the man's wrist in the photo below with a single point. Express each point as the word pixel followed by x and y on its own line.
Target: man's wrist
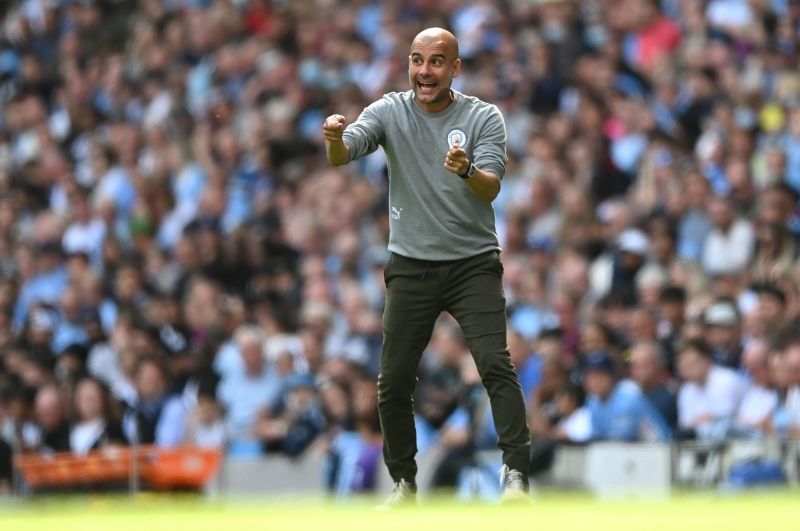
pixel 469 172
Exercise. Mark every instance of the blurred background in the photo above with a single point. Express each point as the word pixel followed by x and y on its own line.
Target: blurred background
pixel 181 268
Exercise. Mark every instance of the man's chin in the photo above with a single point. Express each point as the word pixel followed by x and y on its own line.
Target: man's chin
pixel 428 98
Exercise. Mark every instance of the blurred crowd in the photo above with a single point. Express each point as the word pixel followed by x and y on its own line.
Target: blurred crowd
pixel 179 263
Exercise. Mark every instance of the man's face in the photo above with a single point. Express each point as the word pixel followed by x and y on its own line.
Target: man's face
pixel 599 383
pixel 149 382
pixel 721 336
pixel 48 409
pixel 644 366
pixel 720 213
pixel 692 366
pixel 432 65
pixel 253 356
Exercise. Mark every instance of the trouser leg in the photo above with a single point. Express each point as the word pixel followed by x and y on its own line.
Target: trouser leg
pixel 412 306
pixel 473 294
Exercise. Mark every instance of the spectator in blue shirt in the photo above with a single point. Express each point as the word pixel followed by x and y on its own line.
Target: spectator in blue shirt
pixel 46 286
pixel 619 410
pixel 250 388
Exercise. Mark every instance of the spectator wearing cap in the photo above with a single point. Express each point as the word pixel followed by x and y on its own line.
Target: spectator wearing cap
pixel 723 333
pixel 761 399
pixel 619 410
pixel 710 395
pixel 729 247
pixel 648 371
pixel 615 272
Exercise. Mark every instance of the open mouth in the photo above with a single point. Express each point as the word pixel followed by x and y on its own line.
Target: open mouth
pixel 426 86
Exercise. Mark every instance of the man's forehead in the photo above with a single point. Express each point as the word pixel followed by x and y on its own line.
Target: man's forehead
pixel 429 46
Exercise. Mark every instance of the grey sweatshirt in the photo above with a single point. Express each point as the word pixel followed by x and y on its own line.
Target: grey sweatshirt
pixel 433 215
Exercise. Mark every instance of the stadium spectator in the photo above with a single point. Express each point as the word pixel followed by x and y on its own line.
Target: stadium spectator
pixel 722 332
pixel 760 400
pixel 729 247
pixel 576 421
pixel 295 422
pixel 710 394
pixel 618 410
pixel 51 432
pixel 542 410
pixel 206 425
pixel 96 423
pixel 249 388
pixel 647 369
pixel 157 416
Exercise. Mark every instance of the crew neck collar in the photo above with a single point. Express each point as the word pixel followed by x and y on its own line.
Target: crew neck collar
pixel 437 114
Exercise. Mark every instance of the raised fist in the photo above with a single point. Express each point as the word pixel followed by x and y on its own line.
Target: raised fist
pixel 333 127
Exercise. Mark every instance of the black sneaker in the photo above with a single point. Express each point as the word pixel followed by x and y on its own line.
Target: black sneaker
pixel 514 484
pixel 403 493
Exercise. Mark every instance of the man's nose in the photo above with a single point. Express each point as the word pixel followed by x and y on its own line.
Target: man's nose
pixel 424 69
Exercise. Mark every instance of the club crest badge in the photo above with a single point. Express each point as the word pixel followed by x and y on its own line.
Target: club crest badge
pixel 457 138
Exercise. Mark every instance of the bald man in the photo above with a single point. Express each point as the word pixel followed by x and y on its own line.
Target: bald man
pixel 446 154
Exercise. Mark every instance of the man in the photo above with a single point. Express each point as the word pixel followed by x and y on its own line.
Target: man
pixel 710 395
pixel 615 272
pixel 157 416
pixel 446 156
pixel 729 246
pixel 648 371
pixel 722 332
pixel 761 399
pixel 249 388
pixel 51 420
pixel 619 411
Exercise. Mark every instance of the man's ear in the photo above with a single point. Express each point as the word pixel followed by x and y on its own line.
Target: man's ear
pixel 456 67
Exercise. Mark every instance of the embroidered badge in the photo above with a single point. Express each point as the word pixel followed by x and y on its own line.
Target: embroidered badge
pixel 456 137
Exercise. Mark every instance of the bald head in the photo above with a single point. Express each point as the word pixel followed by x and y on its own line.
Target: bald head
pixel 438 36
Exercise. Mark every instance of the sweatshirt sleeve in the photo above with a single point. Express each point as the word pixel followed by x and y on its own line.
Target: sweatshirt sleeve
pixel 490 149
pixel 363 136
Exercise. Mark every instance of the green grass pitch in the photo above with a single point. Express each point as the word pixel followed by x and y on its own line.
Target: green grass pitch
pixel 775 511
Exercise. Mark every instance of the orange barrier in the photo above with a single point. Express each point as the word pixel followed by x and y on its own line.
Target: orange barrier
pixel 160 468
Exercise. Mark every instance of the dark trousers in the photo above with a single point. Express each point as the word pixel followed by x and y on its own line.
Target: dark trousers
pixel 471 291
